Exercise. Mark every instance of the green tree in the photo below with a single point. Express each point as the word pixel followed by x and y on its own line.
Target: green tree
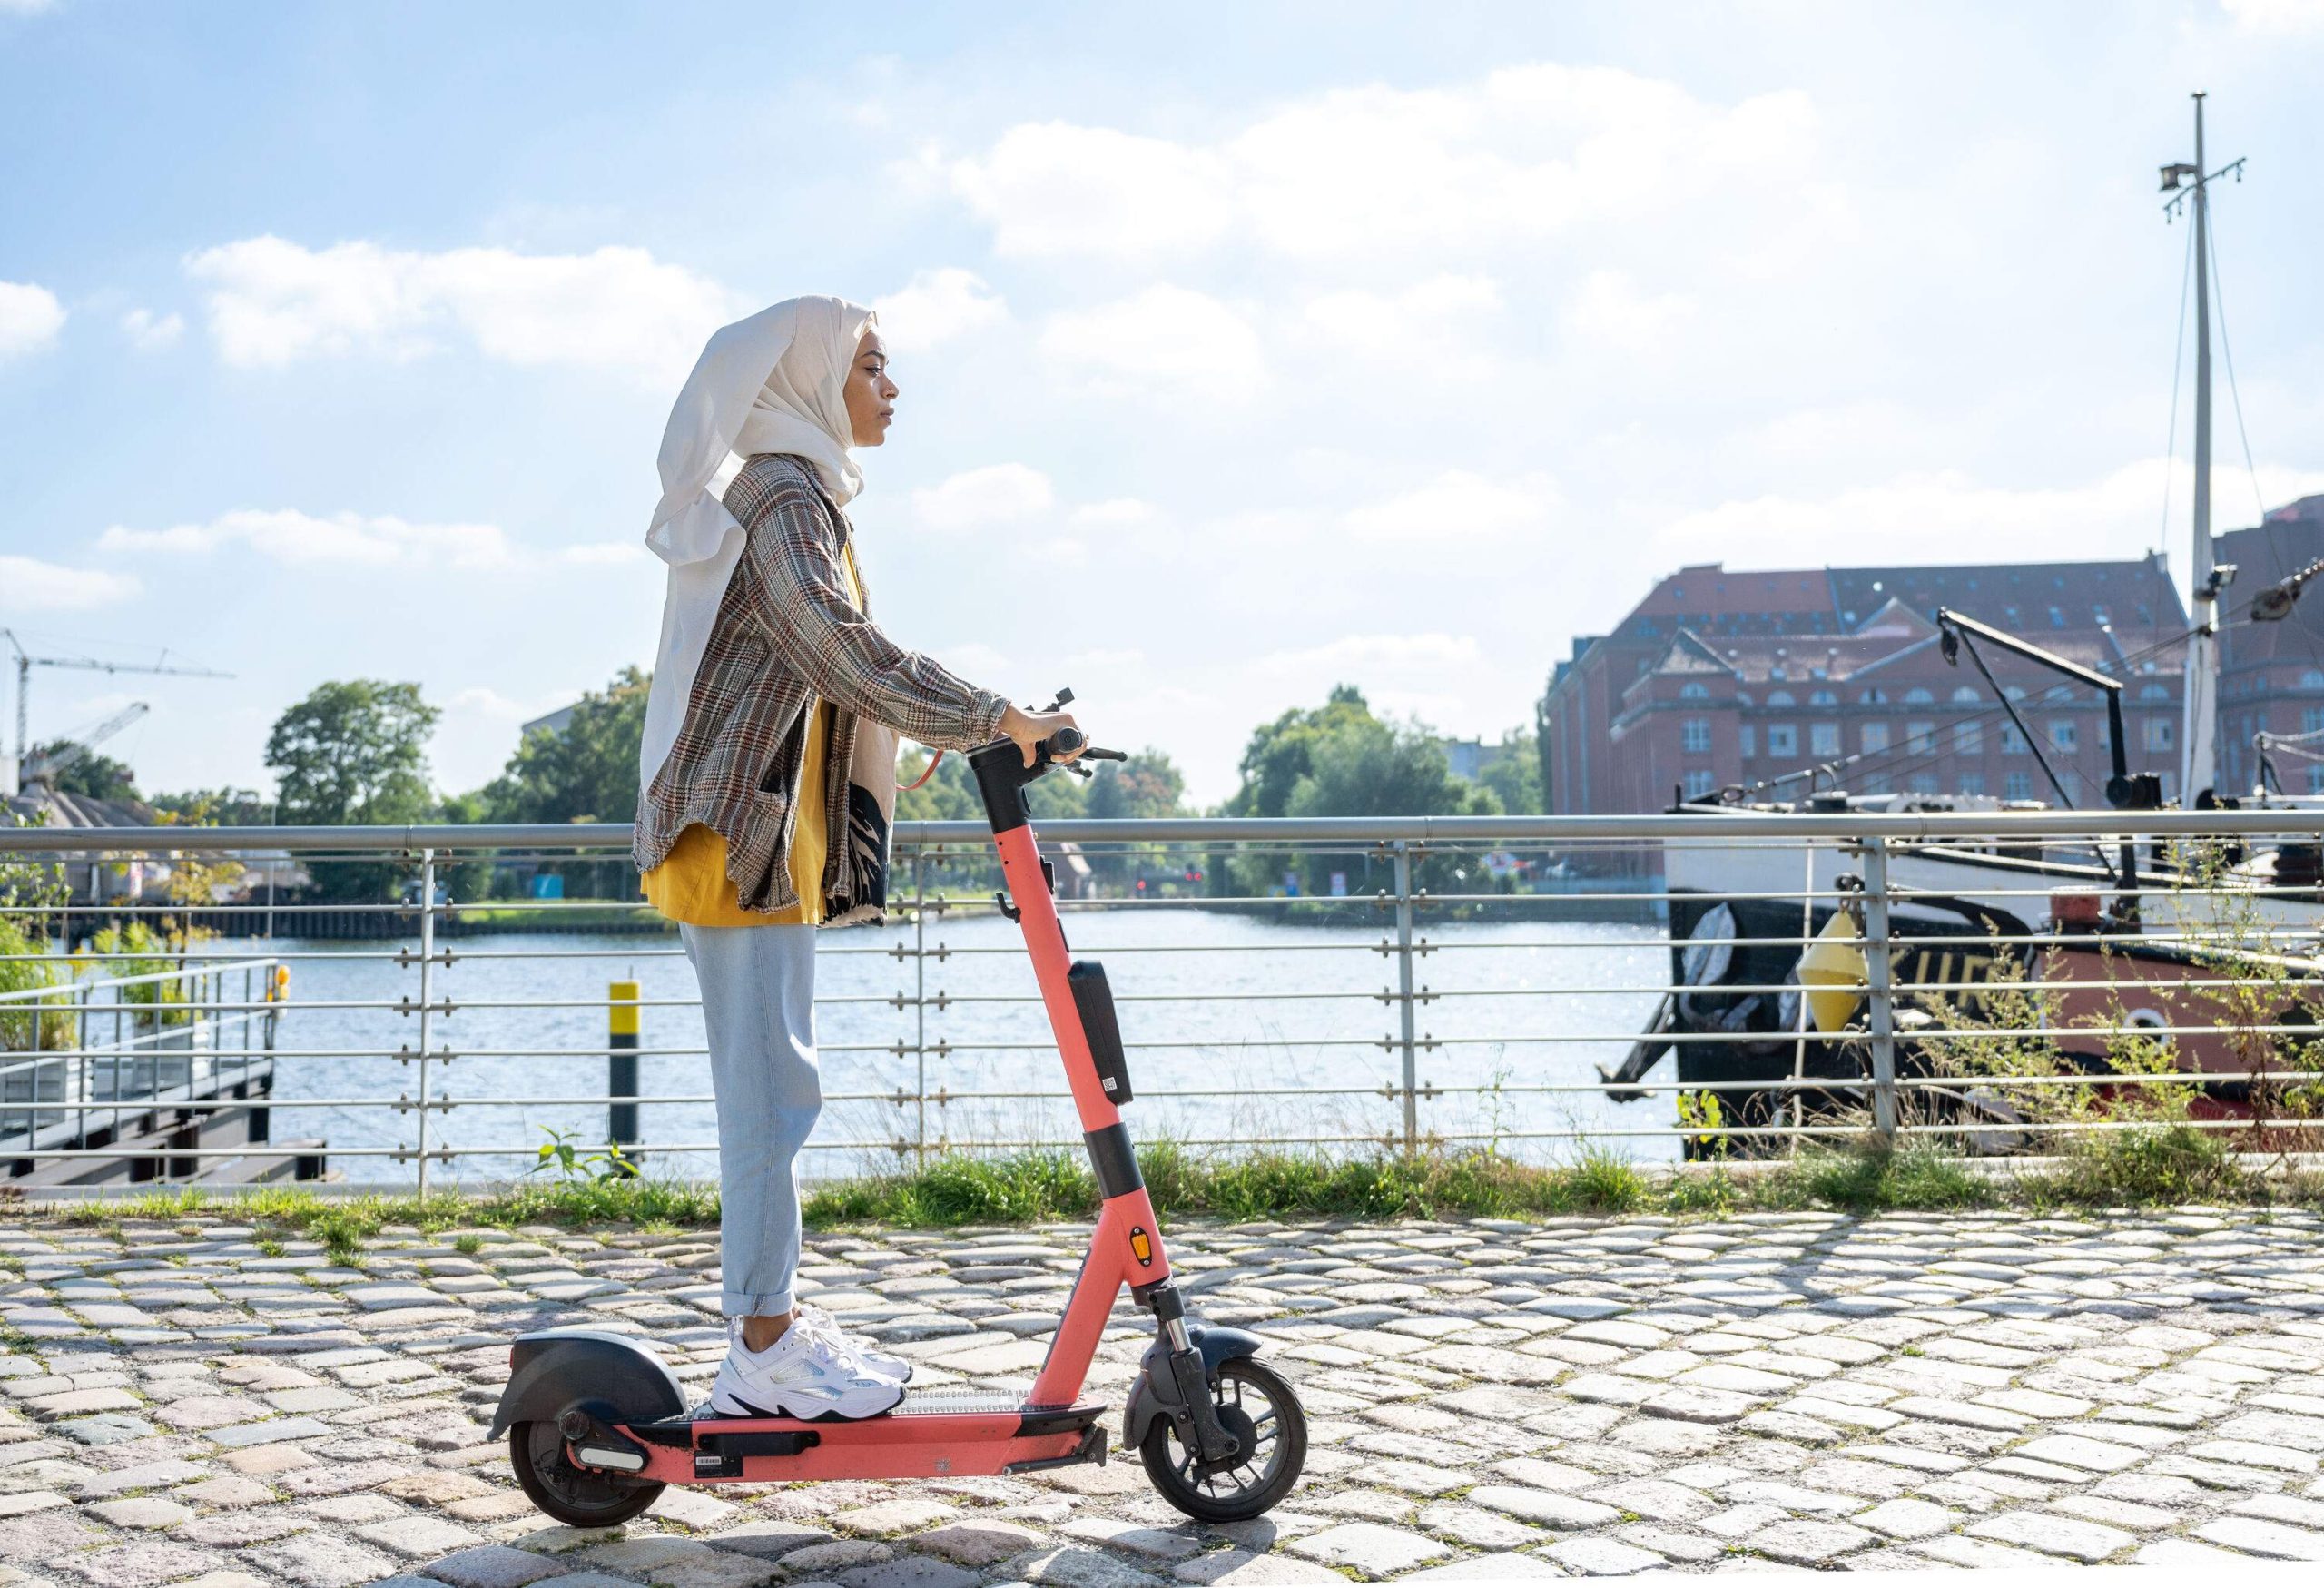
pixel 950 796
pixel 1514 775
pixel 92 776
pixel 1147 785
pixel 585 771
pixel 1340 760
pixel 354 752
pixel 1281 752
pixel 1541 743
pixel 226 808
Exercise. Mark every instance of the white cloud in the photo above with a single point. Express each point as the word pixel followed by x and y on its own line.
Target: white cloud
pixel 1167 341
pixel 304 540
pixel 1441 322
pixel 2277 18
pixel 273 302
pixel 999 493
pixel 936 307
pixel 483 701
pixel 24 7
pixel 1608 310
pixel 30 585
pixel 1961 520
pixel 1526 151
pixel 1456 506
pixel 980 664
pixel 30 317
pixel 607 553
pixel 1357 653
pixel 1052 188
pixel 1115 513
pixel 151 333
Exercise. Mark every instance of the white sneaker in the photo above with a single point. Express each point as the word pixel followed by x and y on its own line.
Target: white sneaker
pixel 805 1374
pixel 863 1345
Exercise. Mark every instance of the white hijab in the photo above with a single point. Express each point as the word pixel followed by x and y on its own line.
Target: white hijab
pixel 774 382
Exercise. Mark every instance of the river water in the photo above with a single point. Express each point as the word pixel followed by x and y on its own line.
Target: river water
pixel 1283 1025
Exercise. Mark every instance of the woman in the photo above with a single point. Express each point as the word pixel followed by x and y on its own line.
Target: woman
pixel 767 768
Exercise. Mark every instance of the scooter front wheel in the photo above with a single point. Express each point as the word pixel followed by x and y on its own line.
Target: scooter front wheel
pixel 574 1495
pixel 1262 1411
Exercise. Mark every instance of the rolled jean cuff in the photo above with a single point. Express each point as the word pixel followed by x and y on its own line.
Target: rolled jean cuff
pixel 768 1304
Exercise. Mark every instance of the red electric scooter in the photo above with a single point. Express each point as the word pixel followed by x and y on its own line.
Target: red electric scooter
pixel 597 1424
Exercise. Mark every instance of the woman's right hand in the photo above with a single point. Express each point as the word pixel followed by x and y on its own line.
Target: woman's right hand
pixel 1028 729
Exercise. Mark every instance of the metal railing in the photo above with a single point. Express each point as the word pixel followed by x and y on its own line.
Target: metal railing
pixel 89 1056
pixel 1453 989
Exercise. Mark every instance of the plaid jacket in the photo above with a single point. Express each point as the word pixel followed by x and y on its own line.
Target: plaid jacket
pixel 786 636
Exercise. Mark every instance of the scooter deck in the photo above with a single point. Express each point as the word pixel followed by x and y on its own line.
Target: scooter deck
pixel 917 1403
pixel 931 1433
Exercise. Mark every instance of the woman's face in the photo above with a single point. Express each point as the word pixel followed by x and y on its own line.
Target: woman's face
pixel 871 395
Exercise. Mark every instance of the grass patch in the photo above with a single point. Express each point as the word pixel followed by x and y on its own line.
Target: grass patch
pixel 343 1224
pixel 2164 1165
pixel 607 917
pixel 2159 1166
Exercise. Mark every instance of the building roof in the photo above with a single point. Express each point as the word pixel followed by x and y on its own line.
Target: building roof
pixel 39 802
pixel 2124 616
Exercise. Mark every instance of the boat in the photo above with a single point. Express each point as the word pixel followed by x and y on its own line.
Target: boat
pixel 2136 932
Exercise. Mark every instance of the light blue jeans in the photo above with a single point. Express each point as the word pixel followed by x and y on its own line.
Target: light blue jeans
pixel 758 1000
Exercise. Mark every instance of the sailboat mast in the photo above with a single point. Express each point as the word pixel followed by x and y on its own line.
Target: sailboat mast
pixel 2201 717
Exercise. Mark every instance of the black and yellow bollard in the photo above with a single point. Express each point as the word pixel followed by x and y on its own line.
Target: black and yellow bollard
pixel 621 1064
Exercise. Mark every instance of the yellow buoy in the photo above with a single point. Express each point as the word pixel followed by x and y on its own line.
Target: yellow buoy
pixel 1834 963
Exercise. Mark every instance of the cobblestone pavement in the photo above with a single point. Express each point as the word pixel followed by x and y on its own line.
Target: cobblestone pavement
pixel 179 1403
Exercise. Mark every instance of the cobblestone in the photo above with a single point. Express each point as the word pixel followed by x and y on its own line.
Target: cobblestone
pixel 1492 1400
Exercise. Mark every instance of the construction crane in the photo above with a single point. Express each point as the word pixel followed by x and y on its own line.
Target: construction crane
pixel 26 662
pixel 45 768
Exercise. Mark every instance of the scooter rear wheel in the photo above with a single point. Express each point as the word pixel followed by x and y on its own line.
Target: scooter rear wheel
pixel 1263 1412
pixel 574 1495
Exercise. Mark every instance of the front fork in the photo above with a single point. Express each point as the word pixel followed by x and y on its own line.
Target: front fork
pixel 1179 1382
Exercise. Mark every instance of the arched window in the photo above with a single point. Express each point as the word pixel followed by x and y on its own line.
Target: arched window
pixel 2311 679
pixel 1872 697
pixel 2057 692
pixel 1964 696
pixel 1778 697
pixel 1823 698
pixel 2154 692
pixel 2013 692
pixel 1919 697
pixel 1694 692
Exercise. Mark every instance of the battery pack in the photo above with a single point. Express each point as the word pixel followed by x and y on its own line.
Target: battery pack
pixel 1094 1000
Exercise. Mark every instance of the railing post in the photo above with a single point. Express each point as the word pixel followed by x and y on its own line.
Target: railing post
pixel 1404 993
pixel 919 1005
pixel 426 995
pixel 1880 1001
pixel 620 1063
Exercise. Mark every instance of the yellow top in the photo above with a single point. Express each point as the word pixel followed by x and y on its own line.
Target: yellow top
pixel 691 884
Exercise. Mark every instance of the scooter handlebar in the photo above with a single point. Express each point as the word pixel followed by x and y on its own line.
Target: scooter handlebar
pixel 1066 742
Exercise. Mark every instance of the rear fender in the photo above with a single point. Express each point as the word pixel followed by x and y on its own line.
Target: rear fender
pixel 1156 1393
pixel 612 1376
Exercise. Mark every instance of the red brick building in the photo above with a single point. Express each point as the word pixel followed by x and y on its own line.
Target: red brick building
pixel 1721 678
pixel 2271 675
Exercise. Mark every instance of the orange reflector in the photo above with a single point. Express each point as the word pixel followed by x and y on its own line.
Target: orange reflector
pixel 1141 1246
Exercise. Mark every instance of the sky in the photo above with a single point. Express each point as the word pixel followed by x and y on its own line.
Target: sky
pixel 1245 349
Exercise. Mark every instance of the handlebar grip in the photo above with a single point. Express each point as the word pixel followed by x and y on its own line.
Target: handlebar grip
pixel 1066 741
